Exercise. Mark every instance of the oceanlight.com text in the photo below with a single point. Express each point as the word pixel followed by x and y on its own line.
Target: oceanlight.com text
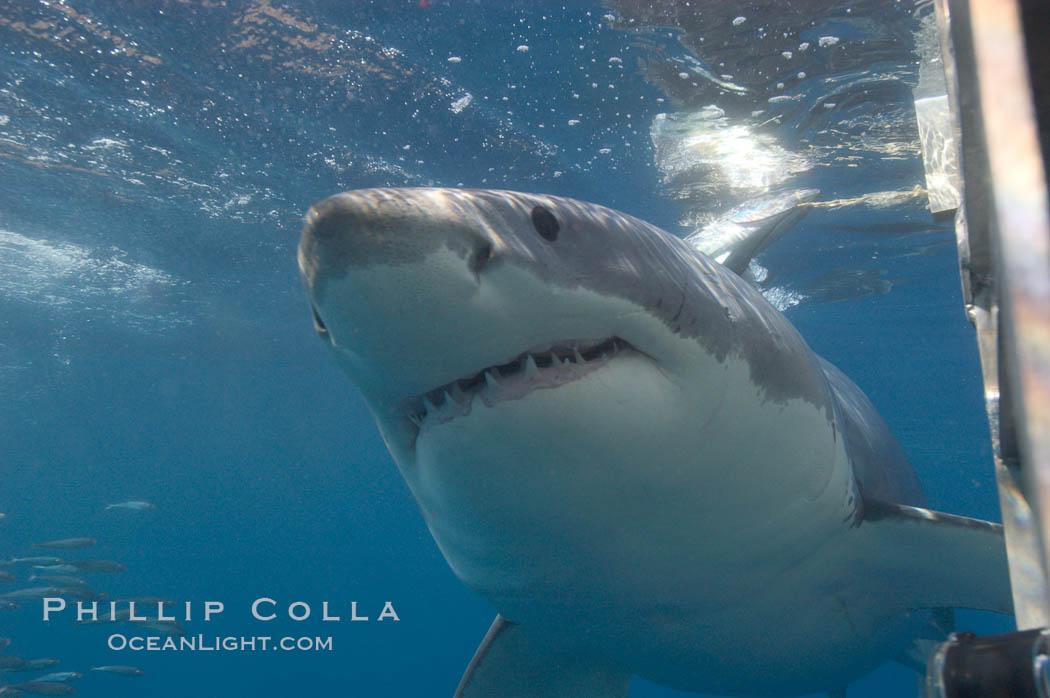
pixel 215 643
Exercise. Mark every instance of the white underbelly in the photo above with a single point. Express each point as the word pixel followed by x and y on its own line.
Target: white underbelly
pixel 601 510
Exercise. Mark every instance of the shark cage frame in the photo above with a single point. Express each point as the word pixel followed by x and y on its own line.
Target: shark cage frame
pixel 983 112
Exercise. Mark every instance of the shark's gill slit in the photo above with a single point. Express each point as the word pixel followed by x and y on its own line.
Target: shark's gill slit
pixel 548 367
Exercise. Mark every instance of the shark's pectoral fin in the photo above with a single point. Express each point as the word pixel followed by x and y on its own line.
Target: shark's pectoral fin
pixel 934 560
pixel 513 663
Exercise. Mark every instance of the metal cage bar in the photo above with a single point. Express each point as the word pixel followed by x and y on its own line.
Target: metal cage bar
pixel 1003 235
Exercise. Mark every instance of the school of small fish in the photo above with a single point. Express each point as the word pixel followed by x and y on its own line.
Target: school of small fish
pixel 35 577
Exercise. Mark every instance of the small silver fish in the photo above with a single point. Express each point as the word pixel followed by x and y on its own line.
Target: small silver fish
pixel 43 663
pixel 62 568
pixel 35 665
pixel 44 688
pixel 6 576
pixel 9 692
pixel 119 669
pixel 133 505
pixel 63 580
pixel 39 560
pixel 60 676
pixel 66 543
pixel 9 663
pixel 30 594
pixel 81 594
pixel 98 565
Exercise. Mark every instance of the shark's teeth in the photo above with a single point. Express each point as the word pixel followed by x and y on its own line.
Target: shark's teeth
pixel 553 365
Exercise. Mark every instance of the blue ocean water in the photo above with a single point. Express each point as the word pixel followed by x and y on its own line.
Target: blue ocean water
pixel 155 344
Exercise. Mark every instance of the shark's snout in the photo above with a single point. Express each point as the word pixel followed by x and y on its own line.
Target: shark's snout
pixel 396 281
pixel 353 237
pixel 381 228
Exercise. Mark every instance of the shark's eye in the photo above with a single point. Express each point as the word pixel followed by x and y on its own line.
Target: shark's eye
pixel 545 223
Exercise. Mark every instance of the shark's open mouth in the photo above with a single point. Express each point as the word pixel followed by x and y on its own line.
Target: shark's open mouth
pixel 548 367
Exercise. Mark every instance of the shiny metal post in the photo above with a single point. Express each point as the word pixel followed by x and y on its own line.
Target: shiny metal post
pixel 1004 256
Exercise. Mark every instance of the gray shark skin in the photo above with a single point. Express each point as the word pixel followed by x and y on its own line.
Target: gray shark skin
pixel 745 231
pixel 625 449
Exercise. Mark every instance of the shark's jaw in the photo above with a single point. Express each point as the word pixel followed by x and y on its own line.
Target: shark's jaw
pixel 545 367
pixel 468 365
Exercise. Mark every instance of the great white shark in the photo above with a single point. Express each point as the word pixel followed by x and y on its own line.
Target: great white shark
pixel 632 455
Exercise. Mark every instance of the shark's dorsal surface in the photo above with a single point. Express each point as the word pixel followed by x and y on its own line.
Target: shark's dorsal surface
pixel 633 456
